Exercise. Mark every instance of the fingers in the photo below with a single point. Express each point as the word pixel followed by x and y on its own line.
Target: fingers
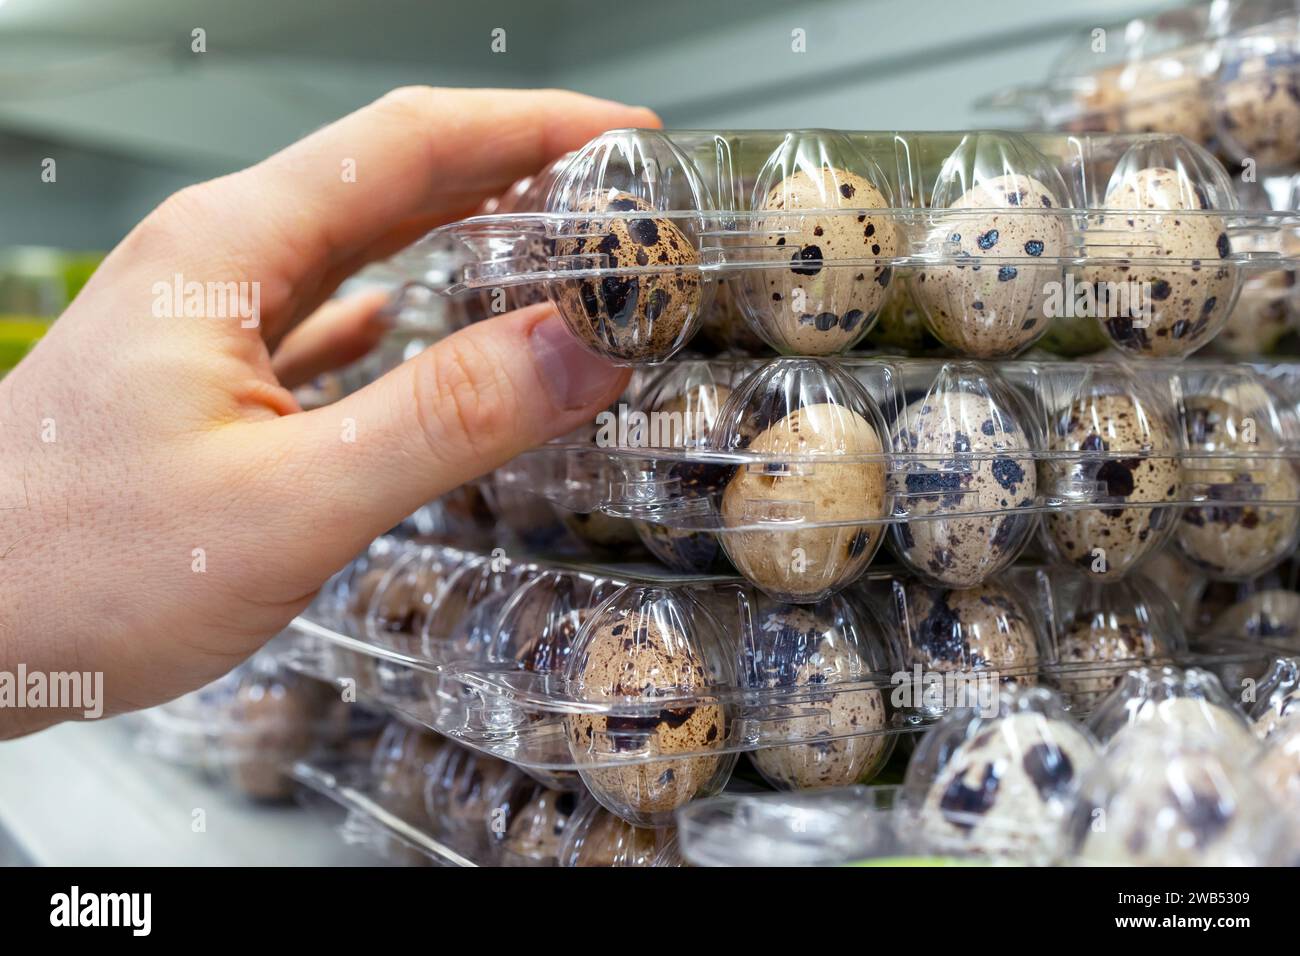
pixel 460 408
pixel 414 155
pixel 338 333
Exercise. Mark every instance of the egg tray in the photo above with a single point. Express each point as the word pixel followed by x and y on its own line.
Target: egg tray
pixel 348 784
pixel 806 236
pixel 1221 74
pixel 466 675
pixel 944 429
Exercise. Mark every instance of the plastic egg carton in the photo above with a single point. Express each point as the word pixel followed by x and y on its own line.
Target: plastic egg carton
pixel 246 729
pixel 803 239
pixel 420 798
pixel 1223 74
pixel 644 688
pixel 1165 773
pixel 796 471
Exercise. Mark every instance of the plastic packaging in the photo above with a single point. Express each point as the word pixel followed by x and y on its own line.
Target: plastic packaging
pixel 815 233
pixel 596 837
pixel 1190 703
pixel 1163 798
pixel 809 461
pixel 1000 782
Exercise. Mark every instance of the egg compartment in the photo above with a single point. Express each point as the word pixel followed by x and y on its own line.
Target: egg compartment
pixel 1190 703
pixel 1142 74
pixel 982 231
pixel 1161 797
pixel 595 837
pixel 820 693
pixel 1253 100
pixel 999 781
pixel 246 729
pixel 1098 434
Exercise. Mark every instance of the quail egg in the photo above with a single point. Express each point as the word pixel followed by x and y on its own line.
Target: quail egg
pixel 1110 540
pixel 994 310
pixel 806 564
pixel 819 304
pixel 983 628
pixel 997 481
pixel 631 317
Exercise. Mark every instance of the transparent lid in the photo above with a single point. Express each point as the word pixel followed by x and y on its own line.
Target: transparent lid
pixel 811 646
pixel 1277 698
pixel 1170 800
pixel 659 647
pixel 536 830
pixel 1190 704
pixel 596 837
pixel 1003 779
pixel 968 442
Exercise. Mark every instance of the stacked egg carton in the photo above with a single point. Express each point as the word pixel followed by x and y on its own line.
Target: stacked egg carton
pixel 1020 497
pixel 1224 74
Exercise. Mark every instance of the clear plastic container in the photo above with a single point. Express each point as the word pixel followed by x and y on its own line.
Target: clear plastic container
pixel 1104 624
pixel 596 837
pixel 647 644
pixel 1254 105
pixel 1190 702
pixel 1277 698
pixel 803 409
pixel 814 234
pixel 1000 781
pixel 816 646
pixel 1164 798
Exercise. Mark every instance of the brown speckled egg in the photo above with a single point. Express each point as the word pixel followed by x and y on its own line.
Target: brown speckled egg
pixel 813 307
pixel 796 647
pixel 630 317
pixel 1125 533
pixel 955 551
pixel 806 564
pixel 1160 309
pixel 631 656
pixel 983 628
pixel 1230 537
pixel 1106 640
pixel 1257 106
pixel 994 310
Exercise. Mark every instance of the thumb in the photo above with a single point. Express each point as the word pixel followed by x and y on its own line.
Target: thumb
pixel 457 410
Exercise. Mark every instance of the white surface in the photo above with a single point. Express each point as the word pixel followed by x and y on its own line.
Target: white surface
pixel 79 795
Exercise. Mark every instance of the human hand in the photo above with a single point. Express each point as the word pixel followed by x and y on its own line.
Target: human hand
pixel 165 506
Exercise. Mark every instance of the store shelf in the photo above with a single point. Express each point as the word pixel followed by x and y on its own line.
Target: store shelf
pixel 80 795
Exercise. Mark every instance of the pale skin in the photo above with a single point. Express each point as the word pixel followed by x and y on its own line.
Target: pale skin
pixel 179 438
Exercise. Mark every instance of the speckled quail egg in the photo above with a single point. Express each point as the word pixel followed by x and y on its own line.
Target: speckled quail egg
pixel 994 310
pixel 998 480
pixel 1257 107
pixel 537 830
pixel 1093 648
pixel 808 563
pixel 818 305
pixel 1110 541
pixel 596 837
pixel 1167 802
pixel 631 317
pixel 983 628
pixel 800 647
pixel 1178 303
pixel 399 768
pixel 1267 614
pixel 688 549
pixel 269 725
pixel 1194 720
pixel 640 656
pixel 1005 791
pixel 1228 537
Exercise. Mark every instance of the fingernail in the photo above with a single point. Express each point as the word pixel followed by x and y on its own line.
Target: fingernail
pixel 573 376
